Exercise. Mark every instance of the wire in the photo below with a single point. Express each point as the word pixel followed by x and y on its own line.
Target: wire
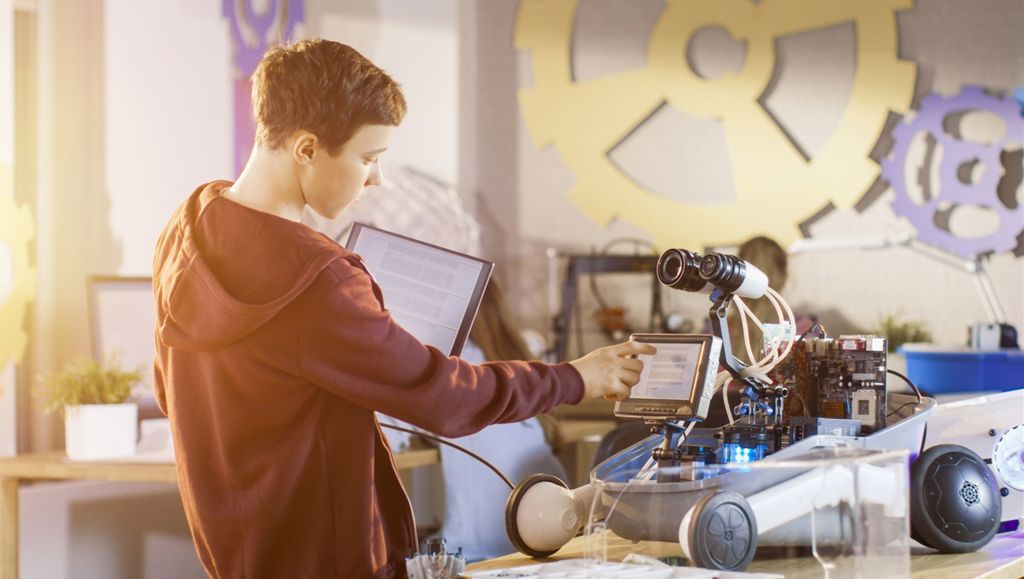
pixel 791 319
pixel 745 329
pixel 917 391
pixel 686 433
pixel 909 383
pixel 721 382
pixel 814 326
pixel 774 358
pixel 900 408
pixel 761 367
pixel 456 447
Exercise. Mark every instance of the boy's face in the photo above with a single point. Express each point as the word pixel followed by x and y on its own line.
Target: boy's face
pixel 330 184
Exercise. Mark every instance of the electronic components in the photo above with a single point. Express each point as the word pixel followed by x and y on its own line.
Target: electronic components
pixel 802 427
pixel 744 443
pixel 841 378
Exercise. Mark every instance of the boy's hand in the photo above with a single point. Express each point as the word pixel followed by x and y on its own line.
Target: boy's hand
pixel 610 372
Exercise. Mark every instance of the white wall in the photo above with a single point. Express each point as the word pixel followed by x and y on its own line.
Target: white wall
pixel 168 114
pixel 417 43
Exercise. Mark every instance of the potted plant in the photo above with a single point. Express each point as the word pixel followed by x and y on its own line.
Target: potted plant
pixel 899 332
pixel 100 421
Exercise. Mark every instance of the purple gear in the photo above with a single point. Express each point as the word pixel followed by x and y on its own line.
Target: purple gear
pixel 950 189
pixel 278 21
pixel 250 34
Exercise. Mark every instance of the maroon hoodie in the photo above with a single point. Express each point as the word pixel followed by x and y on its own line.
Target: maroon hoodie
pixel 273 351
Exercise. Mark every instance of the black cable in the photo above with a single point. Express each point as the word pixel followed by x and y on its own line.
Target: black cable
pixel 909 383
pixel 456 447
pixel 894 412
pixel 816 325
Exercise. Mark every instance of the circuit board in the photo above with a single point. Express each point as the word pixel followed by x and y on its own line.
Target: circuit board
pixel 836 378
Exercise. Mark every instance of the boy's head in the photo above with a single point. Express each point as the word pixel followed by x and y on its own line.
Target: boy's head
pixel 324 87
pixel 331 111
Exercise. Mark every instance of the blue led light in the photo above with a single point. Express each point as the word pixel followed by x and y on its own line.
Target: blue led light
pixel 735 453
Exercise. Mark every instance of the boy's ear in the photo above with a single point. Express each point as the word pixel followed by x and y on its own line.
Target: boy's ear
pixel 304 148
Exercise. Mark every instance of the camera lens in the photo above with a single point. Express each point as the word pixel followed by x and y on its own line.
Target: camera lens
pixel 680 269
pixel 723 271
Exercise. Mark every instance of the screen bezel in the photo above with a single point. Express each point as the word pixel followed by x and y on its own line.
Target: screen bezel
pixel 669 407
pixel 483 278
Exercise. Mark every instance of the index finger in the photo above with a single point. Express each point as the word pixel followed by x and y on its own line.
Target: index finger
pixel 632 348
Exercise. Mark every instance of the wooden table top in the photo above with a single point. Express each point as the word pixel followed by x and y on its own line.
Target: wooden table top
pixel 55 466
pixel 1003 558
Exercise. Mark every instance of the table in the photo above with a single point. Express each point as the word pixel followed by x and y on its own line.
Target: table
pixel 1003 558
pixel 53 466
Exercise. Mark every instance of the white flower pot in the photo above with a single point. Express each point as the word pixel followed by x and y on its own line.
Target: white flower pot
pixel 98 431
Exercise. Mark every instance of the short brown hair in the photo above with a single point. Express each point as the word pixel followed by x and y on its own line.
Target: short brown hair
pixel 324 87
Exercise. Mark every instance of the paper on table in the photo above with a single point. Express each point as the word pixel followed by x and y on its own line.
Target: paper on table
pixel 155 443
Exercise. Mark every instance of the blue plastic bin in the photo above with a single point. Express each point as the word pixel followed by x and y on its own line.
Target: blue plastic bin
pixel 948 371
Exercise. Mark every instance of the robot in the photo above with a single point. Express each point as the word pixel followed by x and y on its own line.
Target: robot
pixel 688 484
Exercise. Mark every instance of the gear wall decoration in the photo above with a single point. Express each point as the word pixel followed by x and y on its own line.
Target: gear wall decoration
pixel 776 187
pixel 951 190
pixel 253 31
pixel 16 233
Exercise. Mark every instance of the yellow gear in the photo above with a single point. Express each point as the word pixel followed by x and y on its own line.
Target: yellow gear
pixel 16 233
pixel 776 187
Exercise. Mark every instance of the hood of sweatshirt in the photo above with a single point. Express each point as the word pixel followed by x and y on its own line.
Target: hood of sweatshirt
pixel 213 285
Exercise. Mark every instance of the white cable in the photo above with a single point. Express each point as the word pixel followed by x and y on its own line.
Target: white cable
pixel 647 471
pixel 745 313
pixel 762 367
pixel 786 317
pixel 773 346
pixel 721 382
pixel 792 318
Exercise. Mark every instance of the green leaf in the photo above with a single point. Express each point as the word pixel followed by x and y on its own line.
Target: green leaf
pixel 87 381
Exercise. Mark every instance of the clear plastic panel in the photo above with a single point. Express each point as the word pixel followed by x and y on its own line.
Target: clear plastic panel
pixel 833 512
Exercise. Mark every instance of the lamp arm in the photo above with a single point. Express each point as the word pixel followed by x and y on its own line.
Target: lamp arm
pixel 976 268
pixel 988 295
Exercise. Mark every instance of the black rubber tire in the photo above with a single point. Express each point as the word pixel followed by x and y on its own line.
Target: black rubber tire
pixel 723 532
pixel 955 506
pixel 512 507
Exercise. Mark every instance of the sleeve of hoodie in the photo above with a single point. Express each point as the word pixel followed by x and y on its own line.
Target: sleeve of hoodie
pixel 350 346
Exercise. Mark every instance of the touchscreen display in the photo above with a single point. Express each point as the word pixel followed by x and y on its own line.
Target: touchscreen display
pixel 669 374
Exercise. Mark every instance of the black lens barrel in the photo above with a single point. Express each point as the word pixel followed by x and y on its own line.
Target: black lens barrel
pixel 725 272
pixel 680 269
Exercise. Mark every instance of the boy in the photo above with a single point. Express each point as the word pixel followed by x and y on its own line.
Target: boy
pixel 274 347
